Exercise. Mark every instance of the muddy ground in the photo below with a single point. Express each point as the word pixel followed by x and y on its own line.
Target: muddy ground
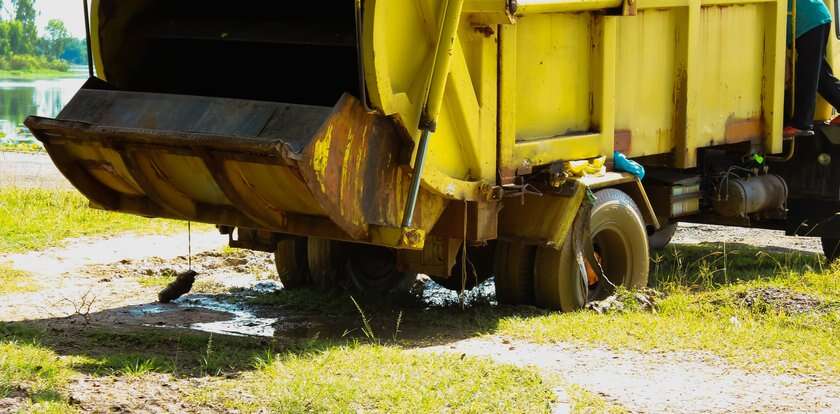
pixel 112 284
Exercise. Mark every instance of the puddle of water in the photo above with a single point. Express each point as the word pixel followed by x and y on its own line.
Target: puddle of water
pixel 244 321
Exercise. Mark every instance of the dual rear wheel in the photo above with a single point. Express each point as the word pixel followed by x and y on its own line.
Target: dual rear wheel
pixel 580 271
pixel 323 264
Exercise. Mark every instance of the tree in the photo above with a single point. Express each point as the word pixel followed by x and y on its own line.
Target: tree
pixel 76 52
pixel 57 39
pixel 5 44
pixel 25 14
pixel 17 39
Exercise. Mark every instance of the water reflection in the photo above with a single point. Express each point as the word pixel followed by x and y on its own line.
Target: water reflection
pixel 43 97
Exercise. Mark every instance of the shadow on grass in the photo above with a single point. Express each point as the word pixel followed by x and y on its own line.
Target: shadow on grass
pixel 109 346
pixel 106 348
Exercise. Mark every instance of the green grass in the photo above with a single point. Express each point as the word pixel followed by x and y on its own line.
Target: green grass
pixel 37 373
pixel 15 281
pixel 305 376
pixel 36 74
pixel 701 313
pixel 585 402
pixel 157 280
pixel 374 378
pixel 32 219
pixel 20 147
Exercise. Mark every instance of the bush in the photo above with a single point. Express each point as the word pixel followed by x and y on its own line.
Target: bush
pixel 28 63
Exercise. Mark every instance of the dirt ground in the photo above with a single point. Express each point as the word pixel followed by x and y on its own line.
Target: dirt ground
pixel 30 170
pixel 111 284
pixel 668 382
pixel 770 240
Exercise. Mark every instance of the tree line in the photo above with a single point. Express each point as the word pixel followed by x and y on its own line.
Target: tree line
pixel 22 48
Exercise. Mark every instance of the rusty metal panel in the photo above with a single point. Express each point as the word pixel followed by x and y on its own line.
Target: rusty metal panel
pixel 333 172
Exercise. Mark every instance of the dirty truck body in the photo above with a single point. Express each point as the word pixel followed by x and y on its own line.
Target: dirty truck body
pixel 300 128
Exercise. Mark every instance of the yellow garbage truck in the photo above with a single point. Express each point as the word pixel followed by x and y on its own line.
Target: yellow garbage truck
pixel 362 141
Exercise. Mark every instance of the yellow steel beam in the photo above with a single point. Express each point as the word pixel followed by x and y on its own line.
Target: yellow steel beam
pixel 604 88
pixel 525 7
pixel 774 77
pixel 95 46
pixel 507 103
pixel 443 59
pixel 485 6
pixel 688 134
pixel 733 2
pixel 670 4
pixel 660 4
pixel 549 150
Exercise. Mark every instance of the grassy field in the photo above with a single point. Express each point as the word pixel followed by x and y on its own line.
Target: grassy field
pixel 373 378
pixel 372 365
pixel 704 310
pixel 36 74
pixel 246 375
pixel 32 219
pixel 39 373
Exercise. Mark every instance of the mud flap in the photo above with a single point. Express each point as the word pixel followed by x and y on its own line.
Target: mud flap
pixel 334 173
pixel 560 277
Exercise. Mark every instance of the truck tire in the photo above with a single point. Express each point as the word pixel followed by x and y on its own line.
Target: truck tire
pixel 558 283
pixel 662 237
pixel 831 248
pixel 373 269
pixel 322 262
pixel 514 270
pixel 290 260
pixel 620 239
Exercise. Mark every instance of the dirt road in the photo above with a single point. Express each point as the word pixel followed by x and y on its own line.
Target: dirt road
pixel 668 382
pixel 30 170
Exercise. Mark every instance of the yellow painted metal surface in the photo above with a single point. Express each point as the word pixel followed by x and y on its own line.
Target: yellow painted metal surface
pixel 549 81
pixel 550 227
pixel 561 82
pixel 679 75
pixel 398 61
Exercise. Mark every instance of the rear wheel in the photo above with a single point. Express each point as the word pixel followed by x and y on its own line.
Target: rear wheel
pixel 291 262
pixel 831 248
pixel 322 261
pixel 559 283
pixel 620 245
pixel 514 270
pixel 620 240
pixel 374 269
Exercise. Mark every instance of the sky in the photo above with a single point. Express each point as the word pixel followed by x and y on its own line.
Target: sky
pixel 70 11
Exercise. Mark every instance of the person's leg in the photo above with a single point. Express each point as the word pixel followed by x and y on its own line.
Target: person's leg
pixel 810 51
pixel 829 85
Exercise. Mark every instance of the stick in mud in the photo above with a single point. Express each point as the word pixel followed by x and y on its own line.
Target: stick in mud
pixel 181 286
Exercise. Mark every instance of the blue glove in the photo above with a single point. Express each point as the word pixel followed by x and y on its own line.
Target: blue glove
pixel 622 163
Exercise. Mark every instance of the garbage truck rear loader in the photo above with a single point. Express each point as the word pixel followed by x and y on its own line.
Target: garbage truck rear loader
pixel 374 139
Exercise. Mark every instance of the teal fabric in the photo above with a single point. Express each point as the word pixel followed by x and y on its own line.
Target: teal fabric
pixel 809 14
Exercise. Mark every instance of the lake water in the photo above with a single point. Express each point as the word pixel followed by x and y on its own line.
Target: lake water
pixel 43 97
